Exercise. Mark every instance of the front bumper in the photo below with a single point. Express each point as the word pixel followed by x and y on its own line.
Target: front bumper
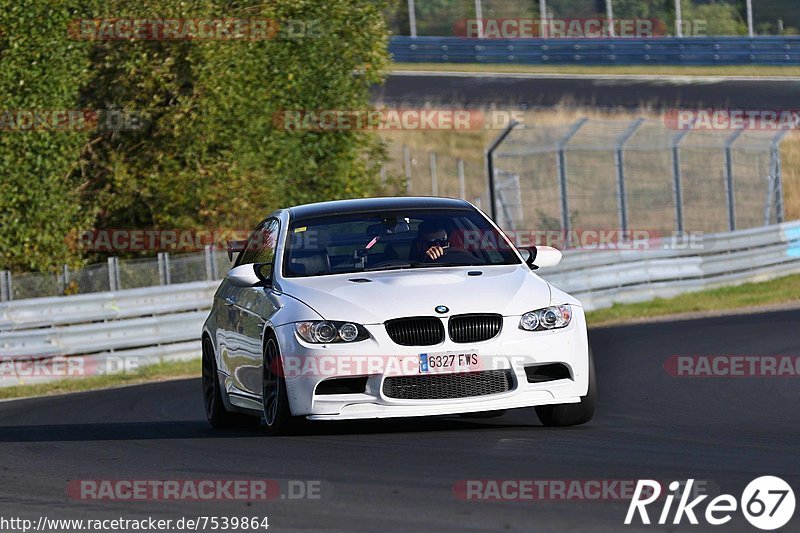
pixel 306 365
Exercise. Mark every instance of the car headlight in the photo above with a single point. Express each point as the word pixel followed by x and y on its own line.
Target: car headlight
pixel 325 331
pixel 555 317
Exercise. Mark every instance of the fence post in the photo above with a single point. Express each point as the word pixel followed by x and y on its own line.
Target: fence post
pixel 488 157
pixel 729 184
pixel 770 196
pixel 562 176
pixel 211 265
pixel 676 176
pixel 113 274
pixel 434 177
pixel 462 184
pixel 64 279
pixel 6 294
pixel 619 159
pixel 164 277
pixel 407 167
pixel 778 174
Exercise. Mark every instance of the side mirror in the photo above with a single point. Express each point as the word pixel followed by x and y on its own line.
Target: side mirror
pixel 540 256
pixel 264 273
pixel 243 276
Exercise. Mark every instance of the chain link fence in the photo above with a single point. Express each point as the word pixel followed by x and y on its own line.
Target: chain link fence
pixel 590 174
pixel 639 174
pixel 116 274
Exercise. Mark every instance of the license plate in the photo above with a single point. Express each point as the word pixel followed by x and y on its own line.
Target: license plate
pixel 466 361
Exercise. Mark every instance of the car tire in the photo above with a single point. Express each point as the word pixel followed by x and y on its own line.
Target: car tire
pixel 274 398
pixel 572 414
pixel 217 415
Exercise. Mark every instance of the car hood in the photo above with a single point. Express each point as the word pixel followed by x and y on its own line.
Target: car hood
pixel 509 290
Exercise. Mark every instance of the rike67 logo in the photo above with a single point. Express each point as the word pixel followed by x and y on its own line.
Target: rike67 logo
pixel 767 503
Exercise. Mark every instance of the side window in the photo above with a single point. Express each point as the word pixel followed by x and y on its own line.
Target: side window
pixel 260 247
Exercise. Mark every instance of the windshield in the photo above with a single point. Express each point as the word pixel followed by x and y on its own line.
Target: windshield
pixel 393 240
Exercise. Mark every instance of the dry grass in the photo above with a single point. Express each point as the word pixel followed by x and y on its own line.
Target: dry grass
pixel 790 157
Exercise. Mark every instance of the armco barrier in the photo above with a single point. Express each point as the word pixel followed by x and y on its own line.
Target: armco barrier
pixel 162 323
pixel 768 50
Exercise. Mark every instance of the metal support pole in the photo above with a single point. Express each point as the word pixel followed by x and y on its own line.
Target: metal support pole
pixel 113 278
pixel 729 183
pixel 211 265
pixel 676 177
pixel 619 160
pixel 678 19
pixel 750 32
pixel 778 174
pixel 412 19
pixel 64 279
pixel 164 277
pixel 610 16
pixel 770 196
pixel 407 166
pixel 544 23
pixel 488 157
pixel 562 177
pixel 434 177
pixel 462 184
pixel 6 294
pixel 479 16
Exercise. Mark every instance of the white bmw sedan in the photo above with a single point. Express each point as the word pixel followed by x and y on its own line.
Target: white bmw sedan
pixel 391 307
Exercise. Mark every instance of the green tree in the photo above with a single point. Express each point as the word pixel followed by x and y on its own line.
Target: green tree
pixel 41 69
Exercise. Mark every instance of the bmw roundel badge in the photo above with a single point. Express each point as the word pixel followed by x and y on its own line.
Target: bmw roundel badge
pixel 441 309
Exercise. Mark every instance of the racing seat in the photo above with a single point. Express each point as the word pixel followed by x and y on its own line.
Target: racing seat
pixel 309 263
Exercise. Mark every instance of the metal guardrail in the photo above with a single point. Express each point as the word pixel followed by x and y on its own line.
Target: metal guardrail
pixel 767 50
pixel 161 323
pixel 600 279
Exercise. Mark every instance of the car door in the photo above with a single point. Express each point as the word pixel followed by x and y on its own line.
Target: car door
pixel 251 307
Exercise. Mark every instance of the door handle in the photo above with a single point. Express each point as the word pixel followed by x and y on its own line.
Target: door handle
pixel 229 301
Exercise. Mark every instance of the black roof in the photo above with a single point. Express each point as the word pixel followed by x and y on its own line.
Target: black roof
pixel 338 207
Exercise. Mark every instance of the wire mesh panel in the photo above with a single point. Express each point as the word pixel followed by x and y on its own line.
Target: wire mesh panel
pixel 187 268
pixel 135 273
pixel 35 285
pixel 223 264
pixel 753 178
pixel 531 153
pixel 92 278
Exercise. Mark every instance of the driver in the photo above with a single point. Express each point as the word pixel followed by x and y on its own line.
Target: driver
pixel 431 241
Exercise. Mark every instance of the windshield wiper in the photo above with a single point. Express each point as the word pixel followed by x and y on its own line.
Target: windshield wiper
pixel 386 267
pixel 429 265
pixel 415 264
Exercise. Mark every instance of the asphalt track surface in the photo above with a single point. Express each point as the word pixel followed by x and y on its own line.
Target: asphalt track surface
pixel 608 92
pixel 399 475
